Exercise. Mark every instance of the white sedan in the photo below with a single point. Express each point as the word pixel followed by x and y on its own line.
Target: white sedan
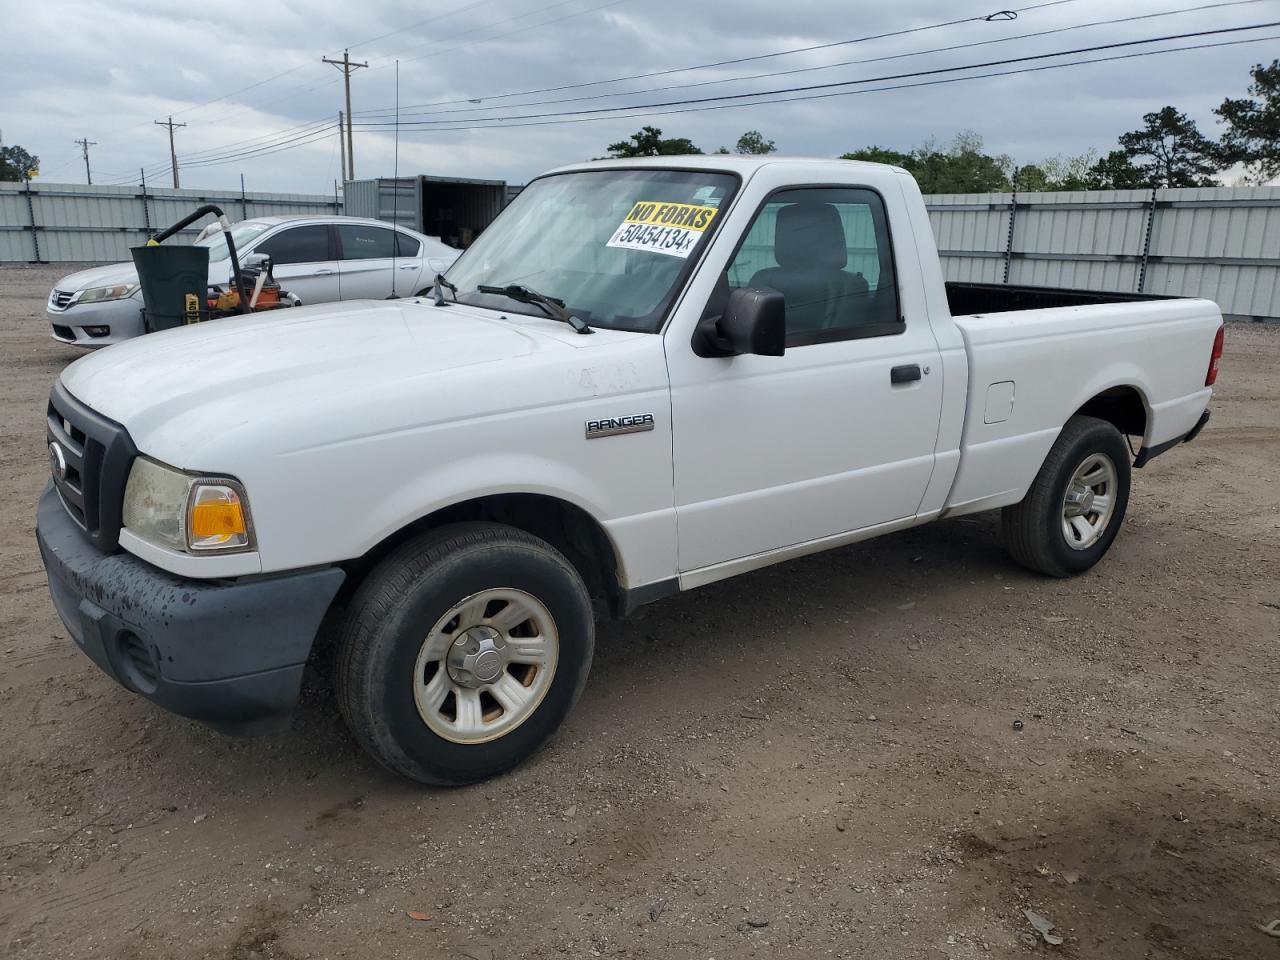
pixel 317 259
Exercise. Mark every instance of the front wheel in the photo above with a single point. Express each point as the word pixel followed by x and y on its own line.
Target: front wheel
pixel 463 651
pixel 1075 506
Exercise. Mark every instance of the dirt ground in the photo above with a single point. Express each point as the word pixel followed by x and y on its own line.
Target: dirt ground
pixel 815 760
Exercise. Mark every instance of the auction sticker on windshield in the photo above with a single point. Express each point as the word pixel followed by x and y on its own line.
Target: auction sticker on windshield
pixel 670 228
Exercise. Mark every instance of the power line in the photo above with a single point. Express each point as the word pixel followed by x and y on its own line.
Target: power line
pixel 203 158
pixel 842 93
pixel 305 134
pixel 259 139
pixel 830 66
pixel 737 60
pixel 269 148
pixel 840 83
pixel 824 95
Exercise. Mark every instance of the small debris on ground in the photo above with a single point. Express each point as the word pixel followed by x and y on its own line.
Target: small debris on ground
pixel 1043 926
pixel 417 915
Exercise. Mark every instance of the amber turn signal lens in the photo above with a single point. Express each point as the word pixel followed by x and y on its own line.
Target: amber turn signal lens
pixel 217 518
pixel 222 520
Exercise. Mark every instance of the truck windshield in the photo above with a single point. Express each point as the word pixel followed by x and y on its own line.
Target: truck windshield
pixel 612 245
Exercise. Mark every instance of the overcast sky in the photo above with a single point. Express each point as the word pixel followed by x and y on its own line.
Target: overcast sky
pixel 106 70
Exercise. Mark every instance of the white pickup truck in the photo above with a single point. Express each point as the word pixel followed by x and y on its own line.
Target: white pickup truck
pixel 645 376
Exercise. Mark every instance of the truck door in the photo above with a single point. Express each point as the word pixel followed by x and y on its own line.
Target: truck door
pixel 838 434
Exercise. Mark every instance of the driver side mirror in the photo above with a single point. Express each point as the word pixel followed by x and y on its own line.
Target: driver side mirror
pixel 754 321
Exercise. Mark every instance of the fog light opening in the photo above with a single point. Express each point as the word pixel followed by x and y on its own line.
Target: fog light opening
pixel 137 662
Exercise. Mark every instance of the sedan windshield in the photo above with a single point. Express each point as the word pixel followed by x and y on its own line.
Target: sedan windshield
pixel 241 233
pixel 611 245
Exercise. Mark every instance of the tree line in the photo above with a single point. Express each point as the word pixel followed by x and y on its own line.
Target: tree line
pixel 1168 150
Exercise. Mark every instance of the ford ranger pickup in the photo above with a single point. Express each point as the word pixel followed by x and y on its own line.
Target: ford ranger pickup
pixel 645 376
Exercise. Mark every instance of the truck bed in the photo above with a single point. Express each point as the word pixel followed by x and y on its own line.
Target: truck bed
pixel 966 299
pixel 1031 369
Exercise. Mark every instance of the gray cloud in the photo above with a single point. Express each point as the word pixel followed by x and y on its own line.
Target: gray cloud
pixel 107 69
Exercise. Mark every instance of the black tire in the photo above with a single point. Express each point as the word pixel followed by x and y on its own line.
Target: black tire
pixel 1033 528
pixel 397 605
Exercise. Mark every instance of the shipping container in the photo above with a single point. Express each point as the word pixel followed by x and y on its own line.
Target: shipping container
pixel 455 209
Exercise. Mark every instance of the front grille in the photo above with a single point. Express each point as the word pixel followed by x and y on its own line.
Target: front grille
pixel 91 471
pixel 61 299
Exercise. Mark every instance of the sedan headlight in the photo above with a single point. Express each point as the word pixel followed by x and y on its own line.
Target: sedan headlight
pixel 118 292
pixel 187 512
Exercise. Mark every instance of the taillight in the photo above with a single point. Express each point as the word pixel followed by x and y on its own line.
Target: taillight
pixel 1212 375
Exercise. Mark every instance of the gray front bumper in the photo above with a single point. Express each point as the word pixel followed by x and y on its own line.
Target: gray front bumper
pixel 228 653
pixel 123 318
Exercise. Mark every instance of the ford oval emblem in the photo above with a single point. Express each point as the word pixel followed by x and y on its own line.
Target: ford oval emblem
pixel 57 462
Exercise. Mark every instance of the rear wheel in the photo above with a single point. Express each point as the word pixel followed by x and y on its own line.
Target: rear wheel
pixel 1076 504
pixel 463 652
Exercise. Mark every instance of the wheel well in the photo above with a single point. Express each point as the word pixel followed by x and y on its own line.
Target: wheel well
pixel 568 528
pixel 1122 407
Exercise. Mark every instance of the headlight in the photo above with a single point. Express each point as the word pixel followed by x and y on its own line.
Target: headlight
pixel 118 292
pixel 186 512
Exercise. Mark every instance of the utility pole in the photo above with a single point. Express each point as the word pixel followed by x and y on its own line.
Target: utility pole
pixel 346 66
pixel 84 144
pixel 173 154
pixel 342 146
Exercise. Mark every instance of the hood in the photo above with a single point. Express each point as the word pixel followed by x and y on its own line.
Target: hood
pixel 173 388
pixel 106 276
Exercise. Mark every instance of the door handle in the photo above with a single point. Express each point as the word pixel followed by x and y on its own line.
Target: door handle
pixel 324 272
pixel 408 266
pixel 906 373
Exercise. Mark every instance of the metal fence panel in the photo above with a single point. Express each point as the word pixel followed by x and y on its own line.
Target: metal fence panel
pixel 79 222
pixel 1221 243
pixel 972 230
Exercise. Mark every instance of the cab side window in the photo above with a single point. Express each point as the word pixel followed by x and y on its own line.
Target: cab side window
pixel 307 244
pixel 827 251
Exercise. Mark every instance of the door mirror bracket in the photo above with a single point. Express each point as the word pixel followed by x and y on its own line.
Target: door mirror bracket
pixel 753 321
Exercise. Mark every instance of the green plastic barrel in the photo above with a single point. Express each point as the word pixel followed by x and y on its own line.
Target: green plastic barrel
pixel 175 284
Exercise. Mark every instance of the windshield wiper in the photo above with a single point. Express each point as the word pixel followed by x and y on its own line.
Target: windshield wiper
pixel 439 287
pixel 553 307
